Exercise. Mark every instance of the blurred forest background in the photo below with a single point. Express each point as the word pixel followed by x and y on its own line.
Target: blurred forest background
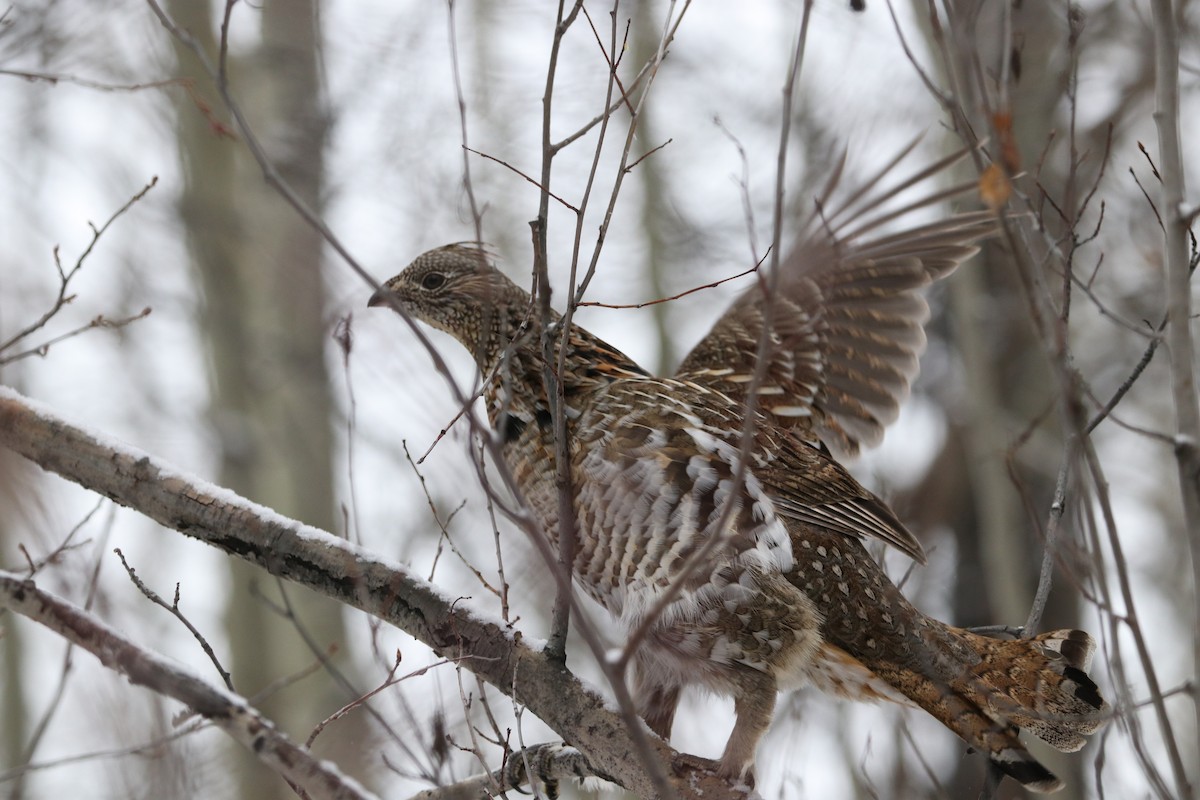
pixel 258 368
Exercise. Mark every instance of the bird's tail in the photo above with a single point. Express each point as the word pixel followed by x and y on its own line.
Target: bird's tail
pixel 987 690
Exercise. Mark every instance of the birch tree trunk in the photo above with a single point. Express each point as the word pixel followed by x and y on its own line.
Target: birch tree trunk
pixel 259 267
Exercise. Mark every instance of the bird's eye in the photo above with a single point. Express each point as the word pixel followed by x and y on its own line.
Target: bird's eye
pixel 433 281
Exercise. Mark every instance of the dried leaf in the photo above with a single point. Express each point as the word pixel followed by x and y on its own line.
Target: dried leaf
pixel 994 187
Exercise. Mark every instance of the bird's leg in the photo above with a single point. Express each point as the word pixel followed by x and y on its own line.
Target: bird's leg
pixel 657 706
pixel 656 701
pixel 754 704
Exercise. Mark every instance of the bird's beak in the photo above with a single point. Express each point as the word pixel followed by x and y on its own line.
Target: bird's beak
pixel 381 298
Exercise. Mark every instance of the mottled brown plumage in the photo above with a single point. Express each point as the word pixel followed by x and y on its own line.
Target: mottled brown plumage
pixel 788 595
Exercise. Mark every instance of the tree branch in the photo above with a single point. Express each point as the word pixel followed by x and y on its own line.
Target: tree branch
pixel 352 575
pixel 229 711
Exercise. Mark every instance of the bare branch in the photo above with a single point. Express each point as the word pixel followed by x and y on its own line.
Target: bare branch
pixel 685 293
pixel 388 682
pixel 87 83
pixel 231 713
pixel 513 169
pixel 647 154
pixel 65 277
pixel 100 321
pixel 174 609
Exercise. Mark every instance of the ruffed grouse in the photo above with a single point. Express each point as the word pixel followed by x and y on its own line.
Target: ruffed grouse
pixel 788 595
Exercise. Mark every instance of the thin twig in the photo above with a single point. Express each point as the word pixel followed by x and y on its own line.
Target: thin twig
pixel 388 682
pixel 150 749
pixel 99 321
pixel 52 708
pixel 444 525
pixel 87 83
pixel 153 597
pixel 292 678
pixel 66 545
pixel 565 536
pixel 510 167
pixel 684 293
pixel 743 182
pixel 65 276
pixel 1132 623
pixel 230 712
pixel 612 64
pixel 647 154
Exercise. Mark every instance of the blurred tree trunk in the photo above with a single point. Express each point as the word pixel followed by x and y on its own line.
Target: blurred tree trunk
pixel 656 211
pixel 17 489
pixel 21 495
pixel 263 320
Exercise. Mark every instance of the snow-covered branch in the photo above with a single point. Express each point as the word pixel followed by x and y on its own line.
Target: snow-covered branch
pixel 349 574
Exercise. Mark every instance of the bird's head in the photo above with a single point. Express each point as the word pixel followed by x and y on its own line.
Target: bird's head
pixel 456 289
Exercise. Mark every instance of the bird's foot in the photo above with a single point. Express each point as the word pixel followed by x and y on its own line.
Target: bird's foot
pixel 684 763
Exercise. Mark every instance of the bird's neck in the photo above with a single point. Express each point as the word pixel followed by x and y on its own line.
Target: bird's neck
pixel 516 366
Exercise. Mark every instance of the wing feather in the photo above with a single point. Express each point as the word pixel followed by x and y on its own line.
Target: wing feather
pixel 848 319
pixel 809 487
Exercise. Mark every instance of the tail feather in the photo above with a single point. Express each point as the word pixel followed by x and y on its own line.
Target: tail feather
pixel 988 690
pixel 1026 770
pixel 1045 679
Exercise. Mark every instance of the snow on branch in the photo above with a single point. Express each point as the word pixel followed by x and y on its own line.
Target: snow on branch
pixel 349 574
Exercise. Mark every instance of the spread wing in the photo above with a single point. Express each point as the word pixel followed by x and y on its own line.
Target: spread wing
pixel 808 486
pixel 847 321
